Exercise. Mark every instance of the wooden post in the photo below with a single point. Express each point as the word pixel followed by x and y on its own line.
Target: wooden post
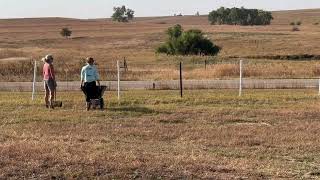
pixel 240 83
pixel 67 79
pixel 118 67
pixel 181 87
pixel 125 65
pixel 34 80
pixel 319 87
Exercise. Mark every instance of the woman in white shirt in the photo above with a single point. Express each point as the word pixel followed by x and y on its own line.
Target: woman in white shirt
pixel 89 78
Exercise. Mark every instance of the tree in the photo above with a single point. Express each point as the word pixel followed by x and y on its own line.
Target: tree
pixel 240 16
pixel 65 32
pixel 214 17
pixel 174 32
pixel 191 42
pixel 130 14
pixel 122 14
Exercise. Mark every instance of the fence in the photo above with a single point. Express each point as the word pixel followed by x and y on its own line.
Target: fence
pixel 175 85
pixel 232 74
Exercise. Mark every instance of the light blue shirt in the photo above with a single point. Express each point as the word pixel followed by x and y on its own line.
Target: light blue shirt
pixel 89 73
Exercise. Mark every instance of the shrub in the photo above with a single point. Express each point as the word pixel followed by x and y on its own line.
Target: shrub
pixel 65 32
pixel 299 23
pixel 191 42
pixel 295 29
pixel 292 23
pixel 163 49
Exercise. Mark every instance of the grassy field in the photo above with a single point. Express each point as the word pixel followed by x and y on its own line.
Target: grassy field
pixel 157 134
pixel 24 39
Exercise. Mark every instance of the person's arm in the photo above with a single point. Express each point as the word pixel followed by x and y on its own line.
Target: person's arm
pixel 82 77
pixel 43 71
pixel 52 72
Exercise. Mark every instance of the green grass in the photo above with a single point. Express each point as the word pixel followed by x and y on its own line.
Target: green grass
pixel 156 134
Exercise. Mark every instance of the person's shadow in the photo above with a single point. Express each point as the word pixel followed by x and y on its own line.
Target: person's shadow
pixel 136 109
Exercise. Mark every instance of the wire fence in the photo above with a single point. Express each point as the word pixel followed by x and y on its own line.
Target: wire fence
pixel 174 85
pixel 203 74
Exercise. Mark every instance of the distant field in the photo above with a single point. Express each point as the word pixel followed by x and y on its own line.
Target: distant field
pixel 108 41
pixel 213 134
pixel 156 134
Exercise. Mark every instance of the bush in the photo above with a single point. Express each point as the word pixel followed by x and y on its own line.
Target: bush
pixel 163 49
pixel 299 23
pixel 240 16
pixel 316 23
pixel 295 29
pixel 191 42
pixel 292 23
pixel 65 32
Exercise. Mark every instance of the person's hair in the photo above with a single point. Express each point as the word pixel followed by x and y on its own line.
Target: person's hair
pixel 49 59
pixel 90 60
pixel 44 60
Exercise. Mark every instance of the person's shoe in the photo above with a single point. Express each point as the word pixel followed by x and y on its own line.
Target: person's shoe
pixel 51 106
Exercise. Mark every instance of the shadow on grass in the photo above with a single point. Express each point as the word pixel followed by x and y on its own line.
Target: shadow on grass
pixel 133 109
pixel 176 121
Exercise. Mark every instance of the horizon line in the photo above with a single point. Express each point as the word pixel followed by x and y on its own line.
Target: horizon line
pixel 153 16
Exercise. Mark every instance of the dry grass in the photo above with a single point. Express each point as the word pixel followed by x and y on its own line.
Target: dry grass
pixel 108 42
pixel 155 134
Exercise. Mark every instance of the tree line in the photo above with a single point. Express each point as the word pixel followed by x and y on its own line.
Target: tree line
pixel 230 16
pixel 194 41
pixel 240 16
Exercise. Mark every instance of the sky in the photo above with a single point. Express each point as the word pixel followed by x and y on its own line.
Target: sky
pixel 87 9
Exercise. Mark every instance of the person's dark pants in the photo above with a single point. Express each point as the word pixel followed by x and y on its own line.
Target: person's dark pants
pixel 90 90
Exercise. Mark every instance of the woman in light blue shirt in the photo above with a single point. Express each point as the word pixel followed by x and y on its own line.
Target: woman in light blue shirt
pixel 89 78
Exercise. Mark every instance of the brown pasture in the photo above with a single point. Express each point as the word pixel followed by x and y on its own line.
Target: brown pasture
pixel 108 41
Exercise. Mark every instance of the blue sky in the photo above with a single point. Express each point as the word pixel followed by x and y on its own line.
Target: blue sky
pixel 103 8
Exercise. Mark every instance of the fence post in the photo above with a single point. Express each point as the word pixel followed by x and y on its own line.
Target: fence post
pixel 240 83
pixel 125 65
pixel 34 80
pixel 67 80
pixel 181 88
pixel 205 64
pixel 319 87
pixel 118 68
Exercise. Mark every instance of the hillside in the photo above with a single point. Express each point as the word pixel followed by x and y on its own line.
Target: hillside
pixel 109 41
pixel 308 16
